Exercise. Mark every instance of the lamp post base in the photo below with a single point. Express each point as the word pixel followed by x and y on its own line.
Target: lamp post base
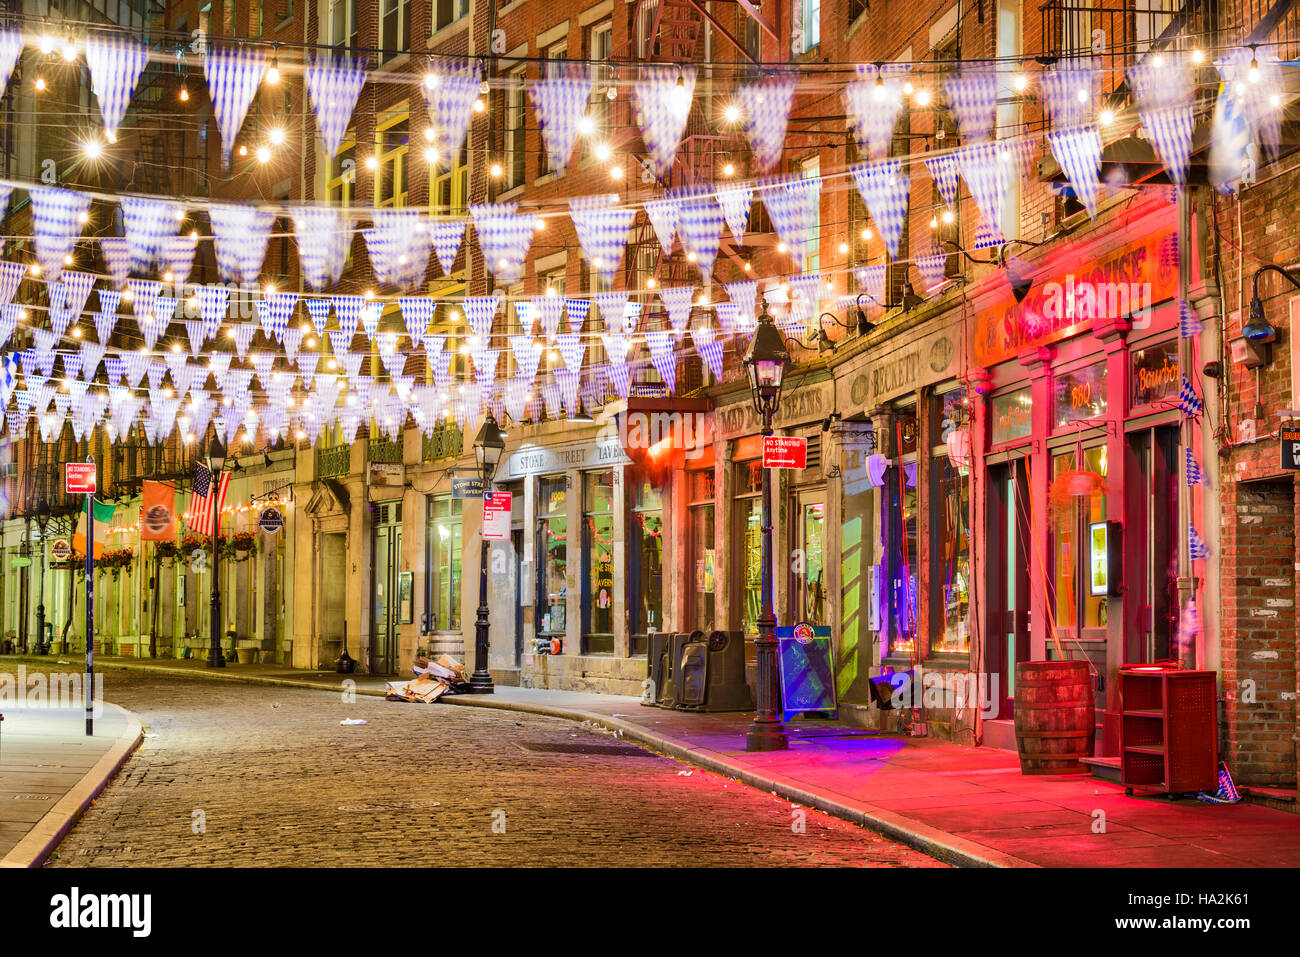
pixel 215 660
pixel 766 737
pixel 480 682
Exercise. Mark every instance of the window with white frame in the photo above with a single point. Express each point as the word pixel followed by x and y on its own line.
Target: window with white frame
pixel 342 182
pixel 449 192
pixel 447 12
pixel 343 23
pixel 600 47
pixel 807 30
pixel 812 169
pixel 516 131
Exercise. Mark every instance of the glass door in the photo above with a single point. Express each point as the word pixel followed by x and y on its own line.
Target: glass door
pixel 808 559
pixel 1154 515
pixel 388 561
pixel 1077 499
pixel 1008 574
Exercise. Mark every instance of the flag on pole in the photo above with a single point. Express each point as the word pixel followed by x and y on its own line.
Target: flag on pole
pixel 102 514
pixel 205 502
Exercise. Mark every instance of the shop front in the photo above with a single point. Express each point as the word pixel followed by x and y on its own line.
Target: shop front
pixel 1077 435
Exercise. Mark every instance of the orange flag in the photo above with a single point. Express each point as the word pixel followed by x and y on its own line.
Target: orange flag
pixel 158 513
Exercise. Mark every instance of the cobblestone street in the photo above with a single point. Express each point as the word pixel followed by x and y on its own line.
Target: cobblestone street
pixel 237 775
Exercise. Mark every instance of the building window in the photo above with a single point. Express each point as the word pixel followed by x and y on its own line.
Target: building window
pixel 812 169
pixel 598 562
pixel 447 12
pixel 516 131
pixel 444 538
pixel 899 527
pixel 449 193
pixel 808 571
pixel 646 564
pixel 552 555
pixel 807 34
pixel 950 518
pixel 703 543
pixel 749 523
pixel 556 53
pixel 392 145
pixel 395 26
pixel 600 47
pixel 647 44
pixel 1080 615
pixel 343 24
pixel 342 182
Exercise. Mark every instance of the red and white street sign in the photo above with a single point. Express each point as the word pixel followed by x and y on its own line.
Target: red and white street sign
pixel 496 516
pixel 79 478
pixel 785 452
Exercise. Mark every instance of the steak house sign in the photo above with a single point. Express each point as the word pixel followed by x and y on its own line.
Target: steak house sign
pixel 1076 286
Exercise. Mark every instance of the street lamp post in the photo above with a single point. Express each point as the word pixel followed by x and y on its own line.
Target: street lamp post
pixel 488 446
pixel 216 459
pixel 765 365
pixel 42 521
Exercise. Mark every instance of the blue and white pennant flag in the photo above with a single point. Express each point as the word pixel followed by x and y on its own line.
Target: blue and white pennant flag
pixel 1188 402
pixel 560 103
pixel 662 107
pixel 602 228
pixel 766 109
pixel 883 187
pixel 333 85
pixel 116 61
pixel 233 75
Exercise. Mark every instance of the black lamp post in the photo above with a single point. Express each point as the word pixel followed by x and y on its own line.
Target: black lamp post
pixel 216 460
pixel 766 364
pixel 42 521
pixel 488 446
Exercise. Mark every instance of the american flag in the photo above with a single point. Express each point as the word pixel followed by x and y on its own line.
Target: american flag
pixel 202 505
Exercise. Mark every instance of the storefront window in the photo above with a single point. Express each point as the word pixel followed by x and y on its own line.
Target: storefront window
pixel 598 562
pixel 444 538
pixel 646 589
pixel 1012 417
pixel 950 524
pixel 749 522
pixel 808 563
pixel 703 559
pixel 1077 499
pixel 552 556
pixel 898 528
pixel 1080 395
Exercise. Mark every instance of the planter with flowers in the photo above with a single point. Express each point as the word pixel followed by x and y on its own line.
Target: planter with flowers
pixel 113 560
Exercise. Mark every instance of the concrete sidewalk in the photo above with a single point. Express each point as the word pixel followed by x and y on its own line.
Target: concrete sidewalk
pixel 968 806
pixel 50 772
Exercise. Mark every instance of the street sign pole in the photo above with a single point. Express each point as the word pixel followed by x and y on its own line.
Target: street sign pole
pixel 90 614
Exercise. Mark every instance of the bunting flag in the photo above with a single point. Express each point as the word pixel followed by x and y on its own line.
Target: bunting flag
pixel 233 75
pixel 243 337
pixel 1189 323
pixel 631 316
pixel 240 232
pixel 744 294
pixel 571 349
pixel 11 48
pixel 766 109
pixel 117 258
pixel 792 206
pixel 663 357
pixel 449 90
pixel 8 322
pixel 504 237
pixel 56 223
pixel 1192 469
pixel 987 237
pixel 417 313
pixel 214 303
pixel 576 310
pixel 931 268
pixel 68 298
pixel 144 294
pixel 333 85
pixel 524 315
pixel 728 314
pixel 405 238
pixel 1069 92
pixel 620 379
pixel 883 187
pixel 480 311
pixel 561 102
pixel 1246 121
pixel 1188 402
pixel 447 237
pixel 986 172
pixel 106 317
pixel 528 353
pixel 177 253
pixel 872 103
pixel 613 307
pixel 324 239
pixel 1163 81
pixel 735 204
pixel 617 346
pixel 943 170
pixel 307 362
pixel 116 61
pixel 148 223
pixel 348 310
pixel 700 226
pixel 663 214
pixel 1170 133
pixel 662 97
pixel 709 349
pixel 442 369
pixel 1078 151
pixel 548 310
pixel 11 276
pixel 871 282
pixel 370 314
pixel 280 308
pixel 136 365
pixel 972 96
pixel 8 381
pixel 319 311
pixel 1196 547
pixel 677 302
pixel 602 229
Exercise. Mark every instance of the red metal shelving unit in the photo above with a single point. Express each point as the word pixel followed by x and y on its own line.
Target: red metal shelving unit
pixel 1168 733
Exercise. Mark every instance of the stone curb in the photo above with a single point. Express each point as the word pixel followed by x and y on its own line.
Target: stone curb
pixel 45 835
pixel 928 840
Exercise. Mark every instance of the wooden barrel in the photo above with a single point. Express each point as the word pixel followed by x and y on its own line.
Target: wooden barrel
pixel 1055 721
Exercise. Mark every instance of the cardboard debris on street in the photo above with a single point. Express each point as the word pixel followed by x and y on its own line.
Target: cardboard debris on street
pixel 432 680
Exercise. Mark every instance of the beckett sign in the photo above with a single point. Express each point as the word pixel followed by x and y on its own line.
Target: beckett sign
pixel 785 452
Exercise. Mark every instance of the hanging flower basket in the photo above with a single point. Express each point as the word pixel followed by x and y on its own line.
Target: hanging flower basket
pixel 243 541
pixel 166 552
pixel 1072 485
pixel 190 542
pixel 113 560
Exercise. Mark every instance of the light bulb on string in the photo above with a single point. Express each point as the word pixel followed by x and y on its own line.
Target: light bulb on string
pixel 185 93
pixel 39 84
pixel 264 154
pixel 922 97
pixel 732 113
pixel 46 44
pixel 1253 73
pixel 276 135
pixel 1021 82
pixel 616 172
pixel 586 126
pixel 1198 56
pixel 273 72
pixel 612 92
pixel 603 152
pixel 69 51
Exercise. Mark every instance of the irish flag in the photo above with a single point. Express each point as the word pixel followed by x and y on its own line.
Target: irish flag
pixel 103 521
